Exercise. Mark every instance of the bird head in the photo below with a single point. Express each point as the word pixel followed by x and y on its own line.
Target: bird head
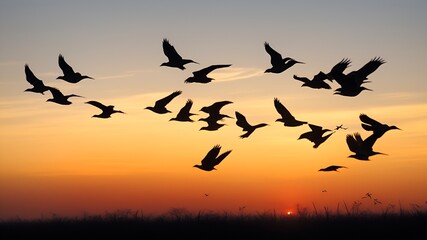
pixel 394 127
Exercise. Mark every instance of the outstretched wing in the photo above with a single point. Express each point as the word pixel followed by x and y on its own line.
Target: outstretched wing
pixel 209 159
pixel 97 104
pixel 31 78
pixel 341 66
pixel 241 121
pixel 221 157
pixel 185 111
pixel 275 57
pixel 368 123
pixel 164 101
pixel 66 69
pixel 315 128
pixel 321 76
pixel 215 107
pixel 170 51
pixel 282 110
pixel 207 70
pixel 370 67
pixel 352 144
pixel 302 79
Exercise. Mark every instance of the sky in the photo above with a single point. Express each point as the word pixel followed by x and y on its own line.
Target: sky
pixel 58 160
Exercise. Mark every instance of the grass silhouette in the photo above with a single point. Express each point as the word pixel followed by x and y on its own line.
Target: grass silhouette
pixel 180 223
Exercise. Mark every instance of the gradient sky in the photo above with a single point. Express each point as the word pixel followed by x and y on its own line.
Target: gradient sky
pixel 56 159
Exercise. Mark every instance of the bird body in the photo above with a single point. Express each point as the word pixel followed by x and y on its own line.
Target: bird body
pixel 369 124
pixel 286 117
pixel 174 59
pixel 363 149
pixel 107 111
pixel 59 98
pixel 213 124
pixel 38 85
pixel 318 81
pixel 278 64
pixel 160 105
pixel 184 114
pixel 316 135
pixel 331 168
pixel 200 76
pixel 212 159
pixel 243 123
pixel 69 75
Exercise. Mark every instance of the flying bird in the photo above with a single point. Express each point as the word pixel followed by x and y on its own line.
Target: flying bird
pixel 316 135
pixel 213 123
pixel 331 168
pixel 107 111
pixel 363 149
pixel 318 81
pixel 378 128
pixel 59 97
pixel 174 59
pixel 184 114
pixel 212 159
pixel 200 76
pixel 338 127
pixel 214 110
pixel 38 85
pixel 160 105
pixel 286 117
pixel 321 140
pixel 69 74
pixel 278 63
pixel 243 123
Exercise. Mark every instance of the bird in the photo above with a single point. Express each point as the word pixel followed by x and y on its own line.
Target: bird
pixel 286 117
pixel 318 81
pixel 338 127
pixel 278 63
pixel 68 72
pixel 160 105
pixel 212 159
pixel 243 123
pixel 330 169
pixel 38 85
pixel 315 135
pixel 59 97
pixel 321 140
pixel 184 114
pixel 200 76
pixel 363 149
pixel 378 128
pixel 107 111
pixel 174 59
pixel 213 124
pixel 214 110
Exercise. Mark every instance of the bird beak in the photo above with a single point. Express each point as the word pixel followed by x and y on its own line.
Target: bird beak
pixel 300 62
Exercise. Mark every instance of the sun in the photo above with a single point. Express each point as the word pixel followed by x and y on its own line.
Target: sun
pixel 289 213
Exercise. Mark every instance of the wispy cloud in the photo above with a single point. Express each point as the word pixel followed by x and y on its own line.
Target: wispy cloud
pixel 232 74
pixel 126 74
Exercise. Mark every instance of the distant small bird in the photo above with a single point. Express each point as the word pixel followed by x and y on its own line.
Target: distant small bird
pixel 286 117
pixel 278 63
pixel 369 124
pixel 362 148
pixel 107 111
pixel 184 114
pixel 38 85
pixel 318 81
pixel 69 74
pixel 331 168
pixel 160 105
pixel 174 59
pixel 340 127
pixel 368 195
pixel 243 123
pixel 200 76
pixel 212 159
pixel 324 190
pixel 60 98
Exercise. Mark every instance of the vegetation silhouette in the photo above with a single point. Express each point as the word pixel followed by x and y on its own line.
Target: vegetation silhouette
pixel 286 117
pixel 248 128
pixel 59 98
pixel 107 111
pixel 69 75
pixel 212 159
pixel 38 85
pixel 278 63
pixel 160 105
pixel 201 76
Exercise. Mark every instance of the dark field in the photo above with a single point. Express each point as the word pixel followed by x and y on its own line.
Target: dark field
pixel 179 224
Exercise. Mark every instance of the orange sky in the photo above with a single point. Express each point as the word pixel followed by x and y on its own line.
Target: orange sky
pixel 57 159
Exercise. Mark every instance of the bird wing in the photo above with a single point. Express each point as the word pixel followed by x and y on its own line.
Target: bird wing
pixel 321 76
pixel 211 155
pixel 31 78
pixel 275 57
pixel 241 121
pixel 185 111
pixel 215 107
pixel 207 70
pixel 302 79
pixel 170 51
pixel 66 69
pixel 352 144
pixel 164 101
pixel 97 104
pixel 369 67
pixel 315 128
pixel 341 66
pixel 369 121
pixel 282 110
pixel 221 157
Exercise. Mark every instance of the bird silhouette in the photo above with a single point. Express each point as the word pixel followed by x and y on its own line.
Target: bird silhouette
pixel 316 135
pixel 318 81
pixel 378 128
pixel 184 114
pixel 174 59
pixel 200 76
pixel 331 168
pixel 59 97
pixel 107 111
pixel 363 149
pixel 278 63
pixel 248 128
pixel 212 159
pixel 340 127
pixel 286 117
pixel 213 123
pixel 214 110
pixel 68 72
pixel 38 85
pixel 160 105
pixel 321 140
